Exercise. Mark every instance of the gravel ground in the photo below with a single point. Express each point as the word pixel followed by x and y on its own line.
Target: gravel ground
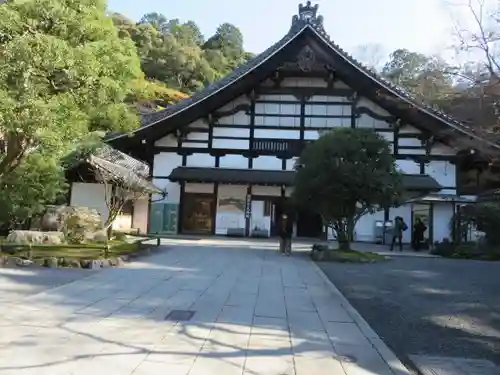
pixel 17 283
pixel 437 307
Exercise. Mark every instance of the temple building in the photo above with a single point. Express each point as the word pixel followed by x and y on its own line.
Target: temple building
pixel 225 156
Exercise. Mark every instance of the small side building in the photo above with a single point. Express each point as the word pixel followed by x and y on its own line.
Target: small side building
pixel 95 178
pixel 226 155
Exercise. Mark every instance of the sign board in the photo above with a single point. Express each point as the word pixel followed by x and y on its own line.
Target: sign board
pixel 248 206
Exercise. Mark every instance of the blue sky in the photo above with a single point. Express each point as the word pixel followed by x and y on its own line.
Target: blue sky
pixel 419 25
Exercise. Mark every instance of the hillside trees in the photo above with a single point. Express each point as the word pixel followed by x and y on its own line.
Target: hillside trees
pixel 177 54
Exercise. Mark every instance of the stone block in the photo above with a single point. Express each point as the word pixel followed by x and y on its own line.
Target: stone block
pixel 74 264
pixel 52 262
pixel 26 237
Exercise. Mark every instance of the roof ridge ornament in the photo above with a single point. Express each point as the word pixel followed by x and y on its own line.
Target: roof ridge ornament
pixel 308 15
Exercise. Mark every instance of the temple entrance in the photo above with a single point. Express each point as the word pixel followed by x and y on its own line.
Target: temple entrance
pixel 422 212
pixel 309 225
pixel 198 214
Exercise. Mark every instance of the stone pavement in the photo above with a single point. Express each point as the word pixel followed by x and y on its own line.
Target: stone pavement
pixel 255 312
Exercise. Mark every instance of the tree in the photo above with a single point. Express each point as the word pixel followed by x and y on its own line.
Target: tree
pixel 64 71
pixel 428 78
pixel 345 174
pixel 38 181
pixel 228 39
pixel 477 27
pixel 170 52
pixel 157 20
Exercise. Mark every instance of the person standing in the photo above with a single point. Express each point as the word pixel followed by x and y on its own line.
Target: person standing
pixel 418 234
pixel 397 232
pixel 286 230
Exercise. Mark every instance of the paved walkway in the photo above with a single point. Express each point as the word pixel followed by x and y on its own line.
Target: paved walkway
pixel 255 312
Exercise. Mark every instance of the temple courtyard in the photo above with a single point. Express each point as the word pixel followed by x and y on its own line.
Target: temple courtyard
pixel 194 307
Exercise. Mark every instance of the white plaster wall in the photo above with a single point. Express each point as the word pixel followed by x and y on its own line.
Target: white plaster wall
pixel 233 133
pixel 367 103
pixel 200 160
pixel 172 189
pixel 233 161
pixel 234 144
pixel 277 134
pixel 410 142
pixel 267 163
pixel 164 163
pixel 443 212
pixel 327 123
pixel 443 172
pixel 91 196
pixel 197 136
pixel 408 166
pixel 141 215
pixel 366 121
pixel 199 188
pixel 272 191
pixel 364 231
pixel 258 220
pixel 229 218
pixel 290 164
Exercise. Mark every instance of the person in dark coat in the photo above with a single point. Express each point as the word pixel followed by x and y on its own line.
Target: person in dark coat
pixel 418 234
pixel 397 232
pixel 286 231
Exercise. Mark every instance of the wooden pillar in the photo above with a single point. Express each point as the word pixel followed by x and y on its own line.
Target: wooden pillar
pixel 431 225
pixel 248 210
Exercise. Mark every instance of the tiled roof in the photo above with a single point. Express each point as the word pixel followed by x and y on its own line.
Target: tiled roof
pixel 123 175
pixel 306 19
pixel 276 178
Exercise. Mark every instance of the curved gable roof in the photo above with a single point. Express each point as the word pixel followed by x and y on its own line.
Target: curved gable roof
pixel 306 21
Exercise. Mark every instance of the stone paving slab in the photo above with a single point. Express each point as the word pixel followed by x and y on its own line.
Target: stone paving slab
pixel 255 313
pixel 431 365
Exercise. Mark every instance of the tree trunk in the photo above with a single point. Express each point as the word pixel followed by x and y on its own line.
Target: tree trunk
pixel 342 228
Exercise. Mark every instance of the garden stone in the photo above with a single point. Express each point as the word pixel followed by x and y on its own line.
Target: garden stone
pixel 3 260
pixel 105 263
pixel 113 262
pixel 95 264
pixel 26 237
pixel 80 224
pixel 74 264
pixel 24 262
pixel 85 263
pixel 52 263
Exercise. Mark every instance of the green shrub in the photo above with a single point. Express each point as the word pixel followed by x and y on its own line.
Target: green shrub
pixel 444 248
pixel 486 218
pixel 80 224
